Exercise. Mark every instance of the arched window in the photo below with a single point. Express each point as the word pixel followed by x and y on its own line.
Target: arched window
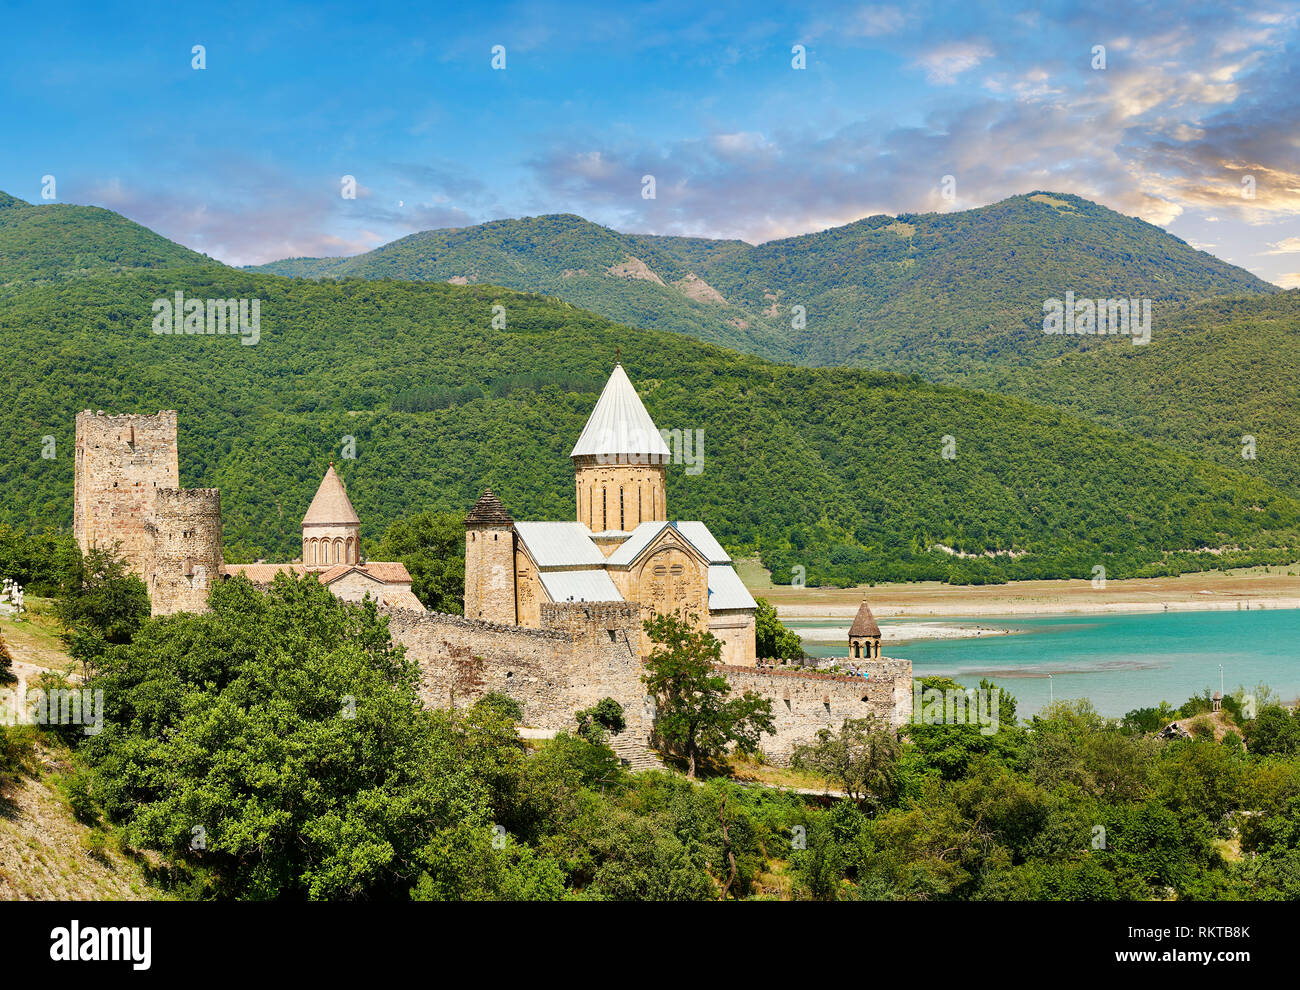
pixel 338 551
pixel 348 558
pixel 621 519
pixel 309 552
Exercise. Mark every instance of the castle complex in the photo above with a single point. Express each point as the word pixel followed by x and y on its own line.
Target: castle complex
pixel 554 610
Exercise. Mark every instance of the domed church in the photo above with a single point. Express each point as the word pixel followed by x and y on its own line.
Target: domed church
pixel 622 546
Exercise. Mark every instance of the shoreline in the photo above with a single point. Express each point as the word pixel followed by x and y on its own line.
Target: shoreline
pixel 1004 609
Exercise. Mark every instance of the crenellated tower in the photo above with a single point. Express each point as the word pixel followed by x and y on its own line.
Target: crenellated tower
pixel 186 532
pixel 121 462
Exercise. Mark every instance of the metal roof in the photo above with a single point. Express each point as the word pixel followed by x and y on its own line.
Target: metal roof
pixel 638 541
pixel 580 586
pixel 619 425
pixel 726 590
pixel 703 540
pixel 559 544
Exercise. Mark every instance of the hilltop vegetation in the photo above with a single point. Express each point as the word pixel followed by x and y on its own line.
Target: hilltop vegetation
pixel 837 471
pixel 1213 375
pixel 940 294
pixel 56 242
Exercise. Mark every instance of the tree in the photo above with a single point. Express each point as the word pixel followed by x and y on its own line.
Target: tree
pixel 860 757
pixel 696 714
pixel 1273 731
pixel 100 605
pixel 432 546
pixel 603 719
pixel 6 664
pixel 772 639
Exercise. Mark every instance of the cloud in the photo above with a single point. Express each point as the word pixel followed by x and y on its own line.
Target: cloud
pixel 944 63
pixel 1288 245
pixel 1289 281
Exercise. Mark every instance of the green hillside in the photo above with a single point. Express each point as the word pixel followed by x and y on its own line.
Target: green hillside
pixel 55 242
pixel 838 471
pixel 939 294
pixel 1215 373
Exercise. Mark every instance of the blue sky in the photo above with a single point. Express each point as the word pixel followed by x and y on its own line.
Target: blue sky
pixel 244 159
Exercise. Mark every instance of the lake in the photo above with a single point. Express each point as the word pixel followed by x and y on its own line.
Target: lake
pixel 1120 662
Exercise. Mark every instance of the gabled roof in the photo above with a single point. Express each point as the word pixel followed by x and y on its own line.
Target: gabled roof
pixel 580 586
pixel 641 538
pixel 559 544
pixel 703 541
pixel 619 425
pixel 726 590
pixel 695 533
pixel 331 506
pixel 488 511
pixel 864 624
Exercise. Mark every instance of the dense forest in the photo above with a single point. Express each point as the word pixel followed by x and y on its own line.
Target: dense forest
pixel 851 475
pixel 939 294
pixel 1213 375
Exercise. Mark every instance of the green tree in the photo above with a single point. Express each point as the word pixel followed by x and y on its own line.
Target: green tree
pixel 603 719
pixel 1273 731
pixel 432 546
pixel 696 714
pixel 772 639
pixel 100 605
pixel 861 757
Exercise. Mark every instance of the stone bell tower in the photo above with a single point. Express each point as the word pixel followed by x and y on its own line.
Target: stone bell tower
pixel 490 563
pixel 331 531
pixel 620 462
pixel 864 635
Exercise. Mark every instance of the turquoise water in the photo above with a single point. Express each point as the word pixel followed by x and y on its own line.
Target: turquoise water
pixel 1120 662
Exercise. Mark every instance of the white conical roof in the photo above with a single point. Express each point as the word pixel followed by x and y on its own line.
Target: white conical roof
pixel 619 425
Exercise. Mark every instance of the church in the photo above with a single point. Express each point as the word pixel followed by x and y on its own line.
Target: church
pixel 622 546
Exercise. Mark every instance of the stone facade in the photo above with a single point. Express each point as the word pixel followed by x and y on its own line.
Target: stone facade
pixel 186 531
pixel 618 493
pixel 583 652
pixel 804 703
pixel 121 463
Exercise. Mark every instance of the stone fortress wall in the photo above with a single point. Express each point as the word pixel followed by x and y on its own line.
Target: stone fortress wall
pixel 585 652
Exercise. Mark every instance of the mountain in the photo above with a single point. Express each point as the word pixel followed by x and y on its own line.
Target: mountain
pixel 56 242
pixel 939 294
pixel 1212 376
pixel 841 472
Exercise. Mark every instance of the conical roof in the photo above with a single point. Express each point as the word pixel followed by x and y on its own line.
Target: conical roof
pixel 619 425
pixel 864 624
pixel 488 511
pixel 331 506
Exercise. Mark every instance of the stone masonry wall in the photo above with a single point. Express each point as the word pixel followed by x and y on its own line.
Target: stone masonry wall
pixel 186 531
pixel 583 653
pixel 121 463
pixel 803 703
pixel 586 652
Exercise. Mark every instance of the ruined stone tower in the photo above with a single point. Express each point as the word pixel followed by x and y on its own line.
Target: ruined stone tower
pixel 490 562
pixel 620 462
pixel 121 463
pixel 186 530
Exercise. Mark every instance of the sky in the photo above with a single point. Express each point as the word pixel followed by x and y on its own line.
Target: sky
pixel 1186 115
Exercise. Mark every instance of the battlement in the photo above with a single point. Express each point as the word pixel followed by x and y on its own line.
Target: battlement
pixel 187 501
pixel 479 625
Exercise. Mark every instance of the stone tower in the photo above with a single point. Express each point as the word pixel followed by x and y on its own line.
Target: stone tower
pixel 331 531
pixel 864 635
pixel 121 463
pixel 620 462
pixel 490 562
pixel 186 530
